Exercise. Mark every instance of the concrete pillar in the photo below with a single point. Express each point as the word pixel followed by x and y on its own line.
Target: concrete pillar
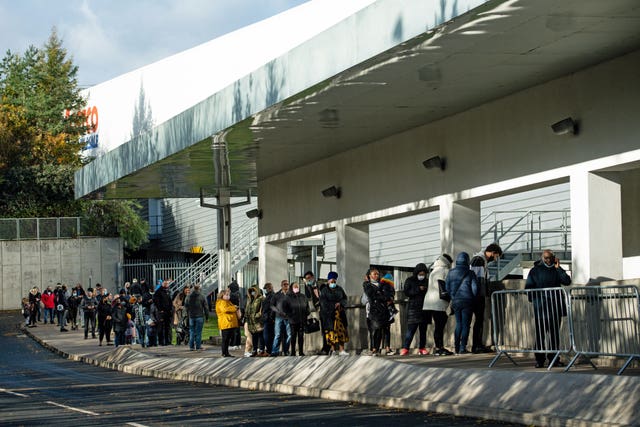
pixel 272 264
pixel 352 256
pixel 459 226
pixel 596 227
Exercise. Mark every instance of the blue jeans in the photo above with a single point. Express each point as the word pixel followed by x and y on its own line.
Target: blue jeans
pixel 142 335
pixel 48 315
pixel 280 322
pixel 463 310
pixel 195 332
pixel 411 330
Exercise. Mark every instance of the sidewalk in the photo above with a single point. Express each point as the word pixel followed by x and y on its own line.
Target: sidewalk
pixel 458 385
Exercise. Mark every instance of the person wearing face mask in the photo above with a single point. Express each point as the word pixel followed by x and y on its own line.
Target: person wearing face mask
pixel 548 307
pixel 297 307
pixel 436 302
pixel 379 298
pixel 227 319
pixel 333 301
pixel 254 326
pixel 415 287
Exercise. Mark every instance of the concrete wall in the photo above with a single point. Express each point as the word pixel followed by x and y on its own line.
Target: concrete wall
pixel 28 263
pixel 494 149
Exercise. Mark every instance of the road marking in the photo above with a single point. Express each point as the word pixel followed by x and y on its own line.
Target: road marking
pixel 70 408
pixel 136 425
pixel 12 392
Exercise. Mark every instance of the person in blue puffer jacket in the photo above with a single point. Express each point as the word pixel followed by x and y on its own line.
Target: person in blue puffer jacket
pixel 462 285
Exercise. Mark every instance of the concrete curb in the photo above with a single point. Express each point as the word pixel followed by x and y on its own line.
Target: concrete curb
pixel 524 397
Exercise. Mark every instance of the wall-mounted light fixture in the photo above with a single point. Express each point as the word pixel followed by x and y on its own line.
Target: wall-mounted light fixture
pixel 254 213
pixel 332 191
pixel 435 162
pixel 565 126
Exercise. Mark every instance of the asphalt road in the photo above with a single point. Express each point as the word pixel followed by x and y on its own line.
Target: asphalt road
pixel 38 387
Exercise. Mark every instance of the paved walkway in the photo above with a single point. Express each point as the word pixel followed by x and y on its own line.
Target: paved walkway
pixel 459 385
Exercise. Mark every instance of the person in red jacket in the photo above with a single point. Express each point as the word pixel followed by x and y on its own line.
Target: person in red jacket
pixel 48 300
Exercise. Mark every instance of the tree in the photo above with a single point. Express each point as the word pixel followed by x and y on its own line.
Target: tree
pixel 40 144
pixel 116 218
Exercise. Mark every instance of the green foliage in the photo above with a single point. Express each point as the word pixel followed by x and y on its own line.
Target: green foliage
pixel 38 191
pixel 40 145
pixel 113 218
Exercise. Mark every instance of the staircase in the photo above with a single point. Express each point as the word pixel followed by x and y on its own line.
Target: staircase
pixel 244 247
pixel 523 235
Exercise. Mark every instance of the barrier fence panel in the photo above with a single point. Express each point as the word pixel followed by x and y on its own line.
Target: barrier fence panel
pixel 605 322
pixel 530 321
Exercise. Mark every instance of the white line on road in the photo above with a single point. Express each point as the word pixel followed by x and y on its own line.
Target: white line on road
pixel 12 392
pixel 136 425
pixel 70 408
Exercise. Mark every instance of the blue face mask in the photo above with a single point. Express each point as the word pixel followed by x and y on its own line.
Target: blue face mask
pixel 332 285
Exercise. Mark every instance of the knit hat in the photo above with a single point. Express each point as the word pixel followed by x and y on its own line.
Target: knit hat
pixel 332 275
pixel 128 315
pixel 387 279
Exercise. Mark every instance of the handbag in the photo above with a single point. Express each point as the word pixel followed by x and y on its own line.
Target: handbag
pixel 444 295
pixel 311 325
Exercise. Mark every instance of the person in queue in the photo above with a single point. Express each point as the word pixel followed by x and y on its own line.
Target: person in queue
pixel 227 319
pixel 333 301
pixel 549 306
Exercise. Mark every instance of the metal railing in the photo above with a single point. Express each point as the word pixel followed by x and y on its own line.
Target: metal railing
pixel 600 321
pixel 40 228
pixel 530 321
pixel 528 231
pixel 152 271
pixel 244 243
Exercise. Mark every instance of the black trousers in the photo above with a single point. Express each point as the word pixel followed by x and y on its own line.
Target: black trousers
pixel 547 324
pixel 89 317
pixel 164 329
pixel 440 321
pixel 479 303
pixel 297 335
pixel 227 337
pixel 104 330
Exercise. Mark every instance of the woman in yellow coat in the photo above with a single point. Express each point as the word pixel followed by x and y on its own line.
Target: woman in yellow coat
pixel 227 319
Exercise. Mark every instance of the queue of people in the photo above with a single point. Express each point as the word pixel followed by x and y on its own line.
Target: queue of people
pixel 275 322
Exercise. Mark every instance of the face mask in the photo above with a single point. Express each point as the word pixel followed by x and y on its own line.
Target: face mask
pixel 374 282
pixel 332 285
pixel 296 290
pixel 310 282
pixel 253 293
pixel 421 276
pixel 226 297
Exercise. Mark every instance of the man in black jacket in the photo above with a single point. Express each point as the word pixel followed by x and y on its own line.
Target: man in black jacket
pixel 549 305
pixel 281 320
pixel 415 287
pixel 162 300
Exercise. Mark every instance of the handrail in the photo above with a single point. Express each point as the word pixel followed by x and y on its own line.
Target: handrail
pixel 528 217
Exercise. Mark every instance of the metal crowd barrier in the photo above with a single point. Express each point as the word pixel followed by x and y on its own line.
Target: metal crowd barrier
pixel 605 322
pixel 586 321
pixel 530 321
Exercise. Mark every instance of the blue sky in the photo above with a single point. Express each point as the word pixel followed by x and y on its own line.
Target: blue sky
pixel 110 37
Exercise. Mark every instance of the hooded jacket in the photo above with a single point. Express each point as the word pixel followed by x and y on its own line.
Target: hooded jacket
pixel 461 282
pixel 432 299
pixel 195 305
pixel 253 310
pixel 416 295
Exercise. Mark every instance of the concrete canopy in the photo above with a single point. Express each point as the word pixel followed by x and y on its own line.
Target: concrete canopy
pixel 372 75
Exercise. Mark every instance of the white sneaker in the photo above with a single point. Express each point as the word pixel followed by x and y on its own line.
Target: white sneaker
pixel 247 354
pixel 343 353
